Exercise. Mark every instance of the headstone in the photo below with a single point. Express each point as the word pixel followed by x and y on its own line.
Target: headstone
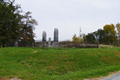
pixel 56 35
pixel 55 43
pixel 73 47
pixel 44 39
pixel 49 42
pixel 32 44
pixel 16 44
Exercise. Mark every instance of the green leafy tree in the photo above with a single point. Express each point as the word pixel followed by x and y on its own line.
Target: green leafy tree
pixel 13 25
pixel 100 35
pixel 9 19
pixel 90 38
pixel 84 37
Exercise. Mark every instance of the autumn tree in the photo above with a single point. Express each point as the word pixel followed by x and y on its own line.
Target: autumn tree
pixel 81 37
pixel 75 38
pixel 110 34
pixel 81 40
pixel 118 31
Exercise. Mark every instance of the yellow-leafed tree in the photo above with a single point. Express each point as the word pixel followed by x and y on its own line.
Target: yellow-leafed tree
pixel 118 30
pixel 75 38
pixel 110 34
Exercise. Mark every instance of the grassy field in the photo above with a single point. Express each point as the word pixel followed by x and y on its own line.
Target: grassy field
pixel 58 64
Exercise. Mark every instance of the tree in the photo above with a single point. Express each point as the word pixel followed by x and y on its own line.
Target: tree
pixel 84 37
pixel 1 1
pixel 81 40
pixel 81 37
pixel 118 31
pixel 90 38
pixel 13 25
pixel 110 34
pixel 9 19
pixel 100 35
pixel 75 39
pixel 27 27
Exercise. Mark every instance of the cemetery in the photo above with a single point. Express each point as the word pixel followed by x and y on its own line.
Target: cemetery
pixel 55 43
pixel 49 43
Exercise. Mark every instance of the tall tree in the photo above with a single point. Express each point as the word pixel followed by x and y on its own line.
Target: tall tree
pixel 9 18
pixel 100 35
pixel 13 25
pixel 118 31
pixel 27 27
pixel 110 34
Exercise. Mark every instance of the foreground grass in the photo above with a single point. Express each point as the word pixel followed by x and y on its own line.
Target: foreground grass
pixel 58 64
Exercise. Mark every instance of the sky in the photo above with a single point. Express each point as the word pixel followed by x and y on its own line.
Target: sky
pixel 69 15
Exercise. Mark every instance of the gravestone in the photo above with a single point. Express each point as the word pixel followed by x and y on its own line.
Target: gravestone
pixel 49 42
pixel 32 44
pixel 55 43
pixel 43 39
pixel 16 44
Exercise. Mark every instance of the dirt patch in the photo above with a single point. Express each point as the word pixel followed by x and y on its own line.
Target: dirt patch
pixel 35 51
pixel 4 79
pixel 15 78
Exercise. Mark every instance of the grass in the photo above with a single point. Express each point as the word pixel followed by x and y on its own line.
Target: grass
pixel 58 64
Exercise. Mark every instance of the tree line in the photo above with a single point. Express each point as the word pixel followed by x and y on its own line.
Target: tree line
pixel 14 24
pixel 110 34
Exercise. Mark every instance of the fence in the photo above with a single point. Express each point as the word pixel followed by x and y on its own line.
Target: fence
pixel 71 44
pixel 21 44
pixel 79 45
pixel 62 44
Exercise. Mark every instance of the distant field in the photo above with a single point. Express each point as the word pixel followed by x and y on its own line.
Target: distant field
pixel 58 64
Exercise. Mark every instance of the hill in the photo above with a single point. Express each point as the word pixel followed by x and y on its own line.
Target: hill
pixel 58 64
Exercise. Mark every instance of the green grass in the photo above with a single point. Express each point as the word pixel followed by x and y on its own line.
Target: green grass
pixel 58 64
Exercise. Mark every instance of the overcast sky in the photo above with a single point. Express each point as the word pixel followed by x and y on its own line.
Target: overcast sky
pixel 69 15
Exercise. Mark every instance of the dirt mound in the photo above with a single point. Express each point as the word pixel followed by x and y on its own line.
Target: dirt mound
pixel 15 78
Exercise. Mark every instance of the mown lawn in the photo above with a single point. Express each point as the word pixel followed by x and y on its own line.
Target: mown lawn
pixel 58 64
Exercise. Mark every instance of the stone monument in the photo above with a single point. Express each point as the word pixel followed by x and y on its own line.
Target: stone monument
pixel 49 42
pixel 43 39
pixel 55 43
pixel 32 44
pixel 16 44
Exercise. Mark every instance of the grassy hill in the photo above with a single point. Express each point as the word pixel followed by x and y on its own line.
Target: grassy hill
pixel 58 64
